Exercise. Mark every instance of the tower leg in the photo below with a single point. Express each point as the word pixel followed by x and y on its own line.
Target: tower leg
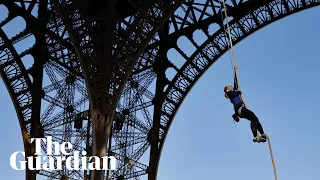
pixel 161 66
pixel 100 133
pixel 30 175
pixel 30 150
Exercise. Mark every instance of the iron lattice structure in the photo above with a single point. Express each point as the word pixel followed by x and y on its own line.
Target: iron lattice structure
pixel 101 68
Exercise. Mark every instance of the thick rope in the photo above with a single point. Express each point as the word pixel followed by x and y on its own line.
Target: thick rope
pixel 232 51
pixel 272 158
pixel 236 74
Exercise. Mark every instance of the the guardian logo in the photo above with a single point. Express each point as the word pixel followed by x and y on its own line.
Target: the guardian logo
pixel 61 156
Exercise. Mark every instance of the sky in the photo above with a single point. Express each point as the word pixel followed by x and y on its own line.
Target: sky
pixel 278 71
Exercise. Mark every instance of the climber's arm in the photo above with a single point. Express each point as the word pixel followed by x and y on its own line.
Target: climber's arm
pixel 233 94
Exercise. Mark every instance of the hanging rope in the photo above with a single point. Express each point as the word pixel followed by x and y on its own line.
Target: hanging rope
pixel 237 83
pixel 272 158
pixel 232 52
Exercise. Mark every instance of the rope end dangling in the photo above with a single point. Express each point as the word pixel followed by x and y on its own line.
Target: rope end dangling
pixel 271 155
pixel 272 158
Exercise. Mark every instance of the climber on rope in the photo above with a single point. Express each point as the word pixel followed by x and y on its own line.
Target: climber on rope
pixel 232 93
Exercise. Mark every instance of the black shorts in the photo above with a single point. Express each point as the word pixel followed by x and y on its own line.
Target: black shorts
pixel 237 107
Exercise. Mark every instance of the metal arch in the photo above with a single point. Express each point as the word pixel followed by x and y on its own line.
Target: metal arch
pixel 126 134
pixel 18 83
pixel 135 155
pixel 264 13
pixel 10 61
pixel 105 85
pixel 48 43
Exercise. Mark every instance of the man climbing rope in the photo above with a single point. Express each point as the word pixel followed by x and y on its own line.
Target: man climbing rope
pixel 241 111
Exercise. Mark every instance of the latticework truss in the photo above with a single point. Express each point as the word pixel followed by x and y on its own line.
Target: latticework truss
pixel 89 57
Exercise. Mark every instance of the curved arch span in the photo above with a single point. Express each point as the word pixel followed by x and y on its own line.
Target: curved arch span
pixel 18 83
pixel 214 47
